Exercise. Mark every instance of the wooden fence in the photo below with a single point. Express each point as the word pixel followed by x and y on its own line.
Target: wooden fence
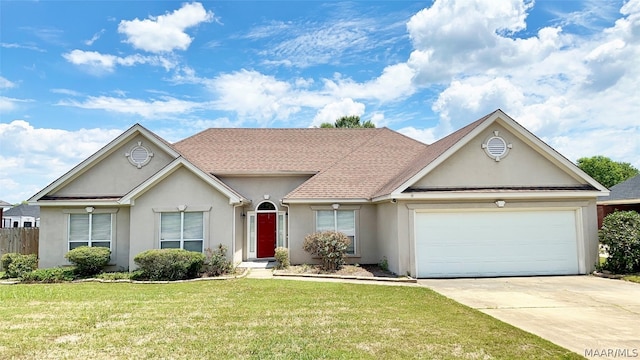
pixel 19 240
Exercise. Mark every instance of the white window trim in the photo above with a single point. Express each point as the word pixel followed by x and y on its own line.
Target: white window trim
pixel 112 241
pixel 206 218
pixel 356 216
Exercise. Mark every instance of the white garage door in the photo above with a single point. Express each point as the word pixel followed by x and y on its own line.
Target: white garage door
pixel 496 243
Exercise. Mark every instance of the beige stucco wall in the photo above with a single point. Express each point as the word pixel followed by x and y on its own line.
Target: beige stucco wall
pixel 470 166
pixel 587 224
pixel 53 243
pixel 254 188
pixel 114 175
pixel 181 187
pixel 302 222
pixel 387 234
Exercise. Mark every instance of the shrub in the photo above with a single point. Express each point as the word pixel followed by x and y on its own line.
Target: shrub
pixel 282 257
pixel 16 265
pixel 169 264
pixel 114 276
pixel 330 246
pixel 620 232
pixel 89 260
pixel 384 264
pixel 51 275
pixel 216 262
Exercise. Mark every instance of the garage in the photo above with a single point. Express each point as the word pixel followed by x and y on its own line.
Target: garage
pixel 497 242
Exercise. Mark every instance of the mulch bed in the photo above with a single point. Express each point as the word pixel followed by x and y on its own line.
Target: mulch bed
pixel 347 270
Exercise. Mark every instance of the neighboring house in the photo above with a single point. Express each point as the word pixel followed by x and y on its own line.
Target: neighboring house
pixel 23 215
pixel 3 205
pixel 624 196
pixel 490 199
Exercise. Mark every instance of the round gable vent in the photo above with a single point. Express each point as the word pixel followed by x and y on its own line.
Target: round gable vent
pixel 496 147
pixel 139 156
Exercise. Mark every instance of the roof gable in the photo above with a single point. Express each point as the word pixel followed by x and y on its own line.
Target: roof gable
pixel 180 162
pixel 443 149
pixel 103 153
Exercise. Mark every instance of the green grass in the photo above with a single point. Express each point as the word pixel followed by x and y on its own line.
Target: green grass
pixel 251 319
pixel 632 278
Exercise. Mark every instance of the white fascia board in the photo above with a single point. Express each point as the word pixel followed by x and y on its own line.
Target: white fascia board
pixel 70 203
pixel 170 169
pixel 465 195
pixel 101 154
pixel 619 202
pixel 325 201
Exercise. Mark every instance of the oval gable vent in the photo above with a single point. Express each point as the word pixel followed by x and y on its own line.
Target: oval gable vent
pixel 496 147
pixel 139 156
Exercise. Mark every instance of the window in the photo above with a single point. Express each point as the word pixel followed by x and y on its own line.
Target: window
pixel 343 221
pixel 27 224
pixel 182 230
pixel 89 230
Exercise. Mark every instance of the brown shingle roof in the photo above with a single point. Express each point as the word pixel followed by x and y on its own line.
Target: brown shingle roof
pixel 350 163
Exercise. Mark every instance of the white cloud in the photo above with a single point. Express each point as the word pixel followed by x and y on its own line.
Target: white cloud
pixel 333 111
pixel 569 89
pixel 253 95
pixel 94 38
pixel 21 46
pixel 6 84
pixel 165 33
pixel 426 136
pixel 394 83
pixel 163 107
pixel 38 156
pixel 9 104
pixel 99 63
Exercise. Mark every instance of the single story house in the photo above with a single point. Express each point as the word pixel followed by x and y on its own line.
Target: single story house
pixel 490 199
pixel 624 196
pixel 23 215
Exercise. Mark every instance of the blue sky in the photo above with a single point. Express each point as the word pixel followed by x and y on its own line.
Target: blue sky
pixel 75 74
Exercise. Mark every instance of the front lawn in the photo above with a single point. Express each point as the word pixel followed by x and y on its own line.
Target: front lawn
pixel 249 318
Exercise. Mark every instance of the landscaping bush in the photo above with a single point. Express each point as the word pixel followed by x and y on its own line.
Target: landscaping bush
pixel 89 260
pixel 16 265
pixel 620 233
pixel 330 246
pixel 216 262
pixel 282 257
pixel 51 275
pixel 169 264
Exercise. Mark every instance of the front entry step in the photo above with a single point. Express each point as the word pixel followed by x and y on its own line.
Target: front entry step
pixel 258 264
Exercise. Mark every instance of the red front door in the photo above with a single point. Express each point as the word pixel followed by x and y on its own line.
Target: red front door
pixel 266 235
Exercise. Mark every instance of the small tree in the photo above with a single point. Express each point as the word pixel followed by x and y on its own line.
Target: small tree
pixel 352 121
pixel 620 232
pixel 330 246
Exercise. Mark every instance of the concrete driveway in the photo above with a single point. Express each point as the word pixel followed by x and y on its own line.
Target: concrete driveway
pixel 585 314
